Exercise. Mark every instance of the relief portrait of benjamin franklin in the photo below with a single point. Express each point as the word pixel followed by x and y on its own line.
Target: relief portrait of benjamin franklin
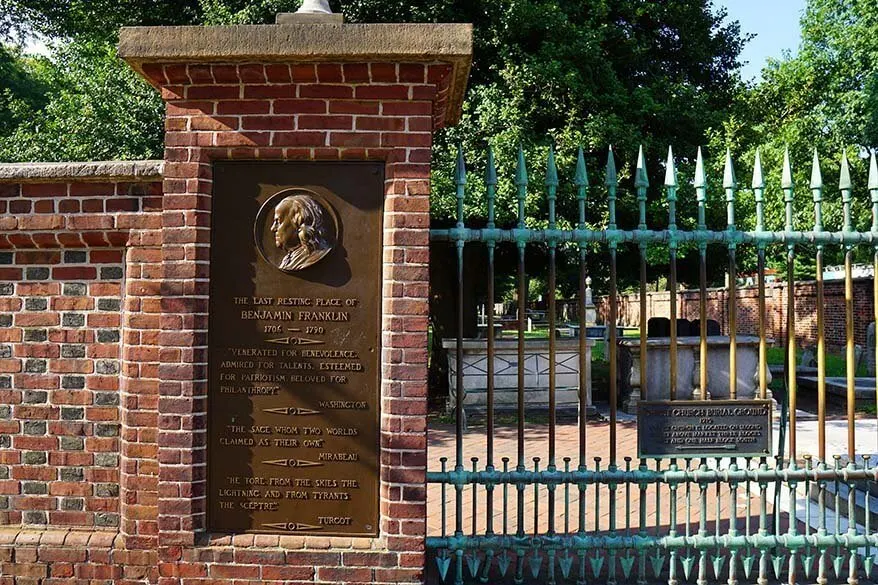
pixel 302 228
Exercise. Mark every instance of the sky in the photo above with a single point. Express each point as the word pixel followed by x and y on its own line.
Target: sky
pixel 776 25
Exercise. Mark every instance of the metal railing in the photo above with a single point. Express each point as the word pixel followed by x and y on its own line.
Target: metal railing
pixel 710 532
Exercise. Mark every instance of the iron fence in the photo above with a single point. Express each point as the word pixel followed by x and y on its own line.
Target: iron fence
pixel 731 518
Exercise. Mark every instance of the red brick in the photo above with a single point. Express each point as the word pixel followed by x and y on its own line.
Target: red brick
pixel 278 73
pixel 234 572
pixel 382 92
pixel 269 91
pixel 218 92
pixel 412 72
pixel 326 91
pixel 300 106
pixel 383 72
pixel 382 123
pixel 303 73
pixel 267 123
pixel 251 73
pixel 344 574
pixel 43 190
pixel 243 107
pixel 329 73
pixel 357 139
pixel 74 273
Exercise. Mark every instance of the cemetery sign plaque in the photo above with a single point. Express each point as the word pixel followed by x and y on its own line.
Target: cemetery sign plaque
pixel 711 428
pixel 293 347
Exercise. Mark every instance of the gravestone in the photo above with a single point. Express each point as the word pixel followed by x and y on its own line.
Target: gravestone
pixel 870 350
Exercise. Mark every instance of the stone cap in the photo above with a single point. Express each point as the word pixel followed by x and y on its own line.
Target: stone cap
pixel 307 43
pixel 139 171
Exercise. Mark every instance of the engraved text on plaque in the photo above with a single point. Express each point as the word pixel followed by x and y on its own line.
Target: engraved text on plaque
pixel 294 346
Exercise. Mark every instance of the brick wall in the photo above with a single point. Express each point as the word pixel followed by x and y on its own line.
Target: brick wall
pixel 156 519
pixel 71 258
pixel 805 293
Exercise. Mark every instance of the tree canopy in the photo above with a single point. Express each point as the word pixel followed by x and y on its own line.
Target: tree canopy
pixel 571 73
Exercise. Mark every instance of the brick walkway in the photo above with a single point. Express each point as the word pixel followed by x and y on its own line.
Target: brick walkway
pixel 442 444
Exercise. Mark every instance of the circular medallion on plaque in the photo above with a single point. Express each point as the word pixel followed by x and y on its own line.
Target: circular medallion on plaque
pixel 295 229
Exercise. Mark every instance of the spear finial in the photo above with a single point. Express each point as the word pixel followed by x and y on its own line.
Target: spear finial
pixel 817 191
pixel 490 184
pixel 786 177
pixel 460 182
pixel 521 169
pixel 612 183
pixel 873 172
pixel 844 175
pixel 640 177
pixel 521 183
pixel 700 175
pixel 551 169
pixel 460 168
pixel 670 170
pixel 491 169
pixel 873 191
pixel 580 179
pixel 816 175
pixel 611 180
pixel 729 179
pixel 758 180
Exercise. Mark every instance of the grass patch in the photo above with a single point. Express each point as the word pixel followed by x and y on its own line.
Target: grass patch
pixel 836 364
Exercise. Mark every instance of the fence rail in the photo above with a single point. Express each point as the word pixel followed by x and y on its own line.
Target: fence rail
pixel 739 517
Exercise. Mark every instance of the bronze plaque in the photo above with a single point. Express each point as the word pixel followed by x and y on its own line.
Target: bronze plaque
pixel 294 346
pixel 697 428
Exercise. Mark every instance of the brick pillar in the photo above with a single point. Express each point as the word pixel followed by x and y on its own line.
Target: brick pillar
pixel 297 92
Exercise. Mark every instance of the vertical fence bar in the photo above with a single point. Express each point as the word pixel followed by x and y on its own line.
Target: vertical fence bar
pixel 817 191
pixel 844 186
pixel 459 415
pixel 763 526
pixel 733 525
pixel 702 527
pixel 581 181
pixel 612 183
pixel 873 194
pixel 730 183
pixel 521 184
pixel 786 184
pixel 758 185
pixel 701 199
pixel 671 189
pixel 551 188
pixel 490 188
pixel 641 182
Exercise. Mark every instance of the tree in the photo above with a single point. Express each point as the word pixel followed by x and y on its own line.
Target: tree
pixel 824 99
pixel 572 72
pixel 25 87
pixel 97 109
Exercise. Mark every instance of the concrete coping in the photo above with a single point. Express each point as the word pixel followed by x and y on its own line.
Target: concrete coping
pixel 307 43
pixel 137 171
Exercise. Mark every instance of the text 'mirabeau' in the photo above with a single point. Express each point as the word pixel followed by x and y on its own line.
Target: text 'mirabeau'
pixel 294 346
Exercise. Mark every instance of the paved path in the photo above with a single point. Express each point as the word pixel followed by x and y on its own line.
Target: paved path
pixel 657 507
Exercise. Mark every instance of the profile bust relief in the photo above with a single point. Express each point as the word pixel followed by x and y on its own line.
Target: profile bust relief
pixel 303 229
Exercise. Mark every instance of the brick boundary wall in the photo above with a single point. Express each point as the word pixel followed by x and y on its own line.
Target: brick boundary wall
pixel 249 111
pixel 805 293
pixel 80 267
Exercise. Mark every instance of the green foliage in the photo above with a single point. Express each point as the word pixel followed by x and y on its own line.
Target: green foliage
pixel 825 98
pixel 24 87
pixel 97 108
pixel 90 19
